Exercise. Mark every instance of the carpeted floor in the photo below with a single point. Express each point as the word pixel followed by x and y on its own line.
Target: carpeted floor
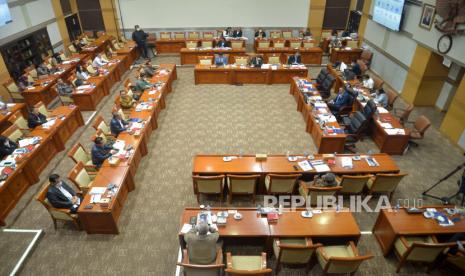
pixel 203 119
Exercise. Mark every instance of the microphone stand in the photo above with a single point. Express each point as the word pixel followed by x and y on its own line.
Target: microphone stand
pixel 445 200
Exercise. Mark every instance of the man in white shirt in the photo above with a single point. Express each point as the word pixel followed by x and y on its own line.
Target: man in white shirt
pixel 60 195
pixel 98 61
pixel 368 82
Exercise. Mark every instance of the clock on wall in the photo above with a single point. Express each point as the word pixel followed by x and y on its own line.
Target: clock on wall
pixel 444 44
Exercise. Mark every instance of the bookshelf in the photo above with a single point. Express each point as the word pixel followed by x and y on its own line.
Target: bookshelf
pixel 25 51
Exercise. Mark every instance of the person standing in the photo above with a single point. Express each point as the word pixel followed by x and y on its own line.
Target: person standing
pixel 140 37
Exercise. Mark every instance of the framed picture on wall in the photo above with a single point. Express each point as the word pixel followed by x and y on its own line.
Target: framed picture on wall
pixel 427 16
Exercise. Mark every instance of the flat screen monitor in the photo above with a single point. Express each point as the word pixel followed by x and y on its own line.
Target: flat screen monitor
pixel 388 13
pixel 5 16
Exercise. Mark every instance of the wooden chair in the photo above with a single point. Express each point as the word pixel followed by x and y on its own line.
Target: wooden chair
pixel 63 55
pixel 18 120
pixel 352 44
pixel 165 35
pixel 325 34
pixel 205 60
pixel 72 49
pixel 179 35
pixel 366 57
pixel 312 193
pixel 81 177
pixel 79 154
pixel 209 185
pixel 56 213
pixel 207 43
pixel 308 44
pixel 237 44
pixel 263 44
pixel 99 34
pixel 100 124
pixel 392 97
pixel 241 60
pixel 191 44
pixel 352 184
pixel 13 133
pixel 214 269
pixel 363 67
pixel 377 82
pixel 279 44
pixel 65 100
pixel 275 34
pixel 403 114
pixel 208 35
pixel 418 131
pixel 287 34
pixel 42 109
pixel 280 184
pixel 242 185
pixel 13 90
pixel 423 249
pixel 456 261
pixel 193 35
pixel 340 258
pixel 294 251
pixel 295 44
pixel 384 183
pixel 105 139
pixel 274 59
pixel 246 265
pixel 91 69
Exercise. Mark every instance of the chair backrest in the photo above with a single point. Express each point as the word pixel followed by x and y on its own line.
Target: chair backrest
pixel 352 44
pixel 208 35
pixel 42 109
pixel 369 109
pixel 392 97
pixel 358 123
pixel 366 55
pixel 322 75
pixel 18 119
pixel 278 44
pixel 295 44
pixel 315 192
pixel 353 184
pixel 237 44
pixel 345 264
pixel 208 184
pixel 99 133
pixel 425 252
pixel 80 176
pixel 55 213
pixel 386 183
pixel 422 124
pixel 179 35
pixel 282 183
pixel 274 60
pixel 33 73
pixel 377 82
pixel 101 124
pixel 72 49
pixel 242 183
pixel 79 154
pixel 206 60
pixel 201 270
pixel 91 69
pixel 207 43
pixel 241 60
pixel 308 44
pixel 296 250
pixel 191 44
pixel 13 133
pixel 193 35
pixel 11 87
pixel 363 66
pixel 264 44
pixel 275 34
pixel 325 34
pixel 404 116
pixel 165 35
pixel 287 34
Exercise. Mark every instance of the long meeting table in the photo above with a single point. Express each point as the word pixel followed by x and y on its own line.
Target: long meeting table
pixel 191 55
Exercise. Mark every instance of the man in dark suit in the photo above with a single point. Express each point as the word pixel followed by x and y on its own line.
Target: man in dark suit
pixel 117 124
pixel 222 43
pixel 35 118
pixel 61 195
pixel 356 68
pixel 140 37
pixel 7 146
pixel 100 152
pixel 294 59
pixel 256 61
pixel 260 33
pixel 237 33
pixel 342 99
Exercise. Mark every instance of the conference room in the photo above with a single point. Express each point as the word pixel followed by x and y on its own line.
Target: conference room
pixel 264 137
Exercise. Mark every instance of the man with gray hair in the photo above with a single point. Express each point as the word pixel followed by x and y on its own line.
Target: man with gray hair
pixel 201 244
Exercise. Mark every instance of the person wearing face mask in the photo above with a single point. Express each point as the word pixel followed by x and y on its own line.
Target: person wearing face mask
pixel 294 59
pixel 140 37
pixel 61 195
pixel 260 34
pixel 7 146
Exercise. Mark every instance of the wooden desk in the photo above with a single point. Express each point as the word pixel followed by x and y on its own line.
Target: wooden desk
pixel 170 45
pixel 96 46
pixel 287 41
pixel 100 219
pixel 12 108
pixel 343 55
pixel 232 74
pixel 190 56
pixel 214 164
pixel 390 225
pixel 308 55
pixel 131 51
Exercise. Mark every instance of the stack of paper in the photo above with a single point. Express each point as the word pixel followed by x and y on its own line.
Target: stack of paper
pixel 386 125
pixel 28 141
pixel 305 165
pixel 186 228
pixel 382 110
pixel 346 162
pixel 49 124
pixel 320 166
pixel 119 145
pixel 266 66
pixel 395 131
pixel 320 104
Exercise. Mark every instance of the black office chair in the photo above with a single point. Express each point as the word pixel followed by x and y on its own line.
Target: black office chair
pixel 325 88
pixel 345 110
pixel 355 130
pixel 370 109
pixel 321 76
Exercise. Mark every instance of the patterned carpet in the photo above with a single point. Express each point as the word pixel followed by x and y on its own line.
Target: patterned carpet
pixel 202 119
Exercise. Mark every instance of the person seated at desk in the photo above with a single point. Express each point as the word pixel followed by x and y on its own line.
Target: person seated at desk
pixel 148 69
pixel 380 97
pixel 125 100
pixel 77 45
pixel 327 180
pixel 458 238
pixel 43 70
pixel 7 146
pixel 36 118
pixel 100 152
pixel 142 83
pixel 334 33
pixel 117 124
pixel 345 33
pixel 98 61
pixel 355 67
pixel 237 33
pixel 227 32
pixel 23 83
pixel 260 34
pixel 221 60
pixel 342 99
pixel 81 75
pixel 367 82
pixel 256 61
pixel 306 32
pixel 222 43
pixel 63 88
pixel 61 195
pixel 201 246
pixel 294 59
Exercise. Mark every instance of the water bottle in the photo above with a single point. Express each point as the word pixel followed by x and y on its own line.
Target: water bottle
pixel 397 207
pixel 208 209
pixel 287 154
pixel 280 209
pixel 338 208
pixel 241 153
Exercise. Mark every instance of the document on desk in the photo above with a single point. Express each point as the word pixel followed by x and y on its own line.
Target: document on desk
pixel 97 190
pixel 305 165
pixel 382 110
pixel 346 162
pixel 186 228
pixel 119 145
pixel 385 125
pixel 395 131
pixel 320 104
pixel 320 166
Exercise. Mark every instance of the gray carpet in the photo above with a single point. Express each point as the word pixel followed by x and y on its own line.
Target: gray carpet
pixel 203 119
